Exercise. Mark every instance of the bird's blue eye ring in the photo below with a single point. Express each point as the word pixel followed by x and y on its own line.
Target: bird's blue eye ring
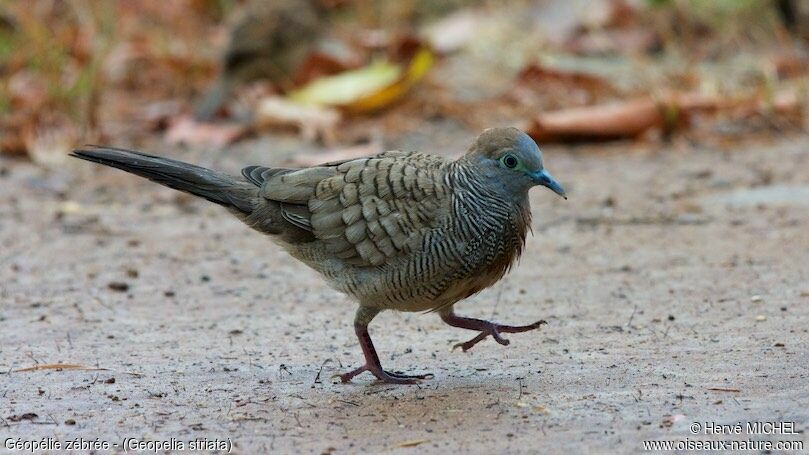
pixel 510 161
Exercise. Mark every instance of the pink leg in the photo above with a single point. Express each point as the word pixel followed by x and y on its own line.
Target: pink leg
pixel 486 328
pixel 372 364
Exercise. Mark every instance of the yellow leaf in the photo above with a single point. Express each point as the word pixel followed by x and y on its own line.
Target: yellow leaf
pixel 366 89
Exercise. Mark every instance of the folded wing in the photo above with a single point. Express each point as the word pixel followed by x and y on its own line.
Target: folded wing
pixel 365 211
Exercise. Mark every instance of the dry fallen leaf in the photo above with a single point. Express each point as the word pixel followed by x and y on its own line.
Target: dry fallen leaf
pixel 621 119
pixel 366 89
pixel 606 121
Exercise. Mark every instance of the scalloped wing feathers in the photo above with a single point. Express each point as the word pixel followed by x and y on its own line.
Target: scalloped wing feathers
pixel 365 211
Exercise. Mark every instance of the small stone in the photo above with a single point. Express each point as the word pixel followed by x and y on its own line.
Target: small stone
pixel 118 286
pixel 756 299
pixel 69 208
pixel 70 422
pixel 761 317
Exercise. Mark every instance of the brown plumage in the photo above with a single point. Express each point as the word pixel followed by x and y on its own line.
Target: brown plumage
pixel 400 231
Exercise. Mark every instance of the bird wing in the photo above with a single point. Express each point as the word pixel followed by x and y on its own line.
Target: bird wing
pixel 365 211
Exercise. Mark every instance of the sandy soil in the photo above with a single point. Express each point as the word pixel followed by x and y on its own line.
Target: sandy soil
pixel 674 282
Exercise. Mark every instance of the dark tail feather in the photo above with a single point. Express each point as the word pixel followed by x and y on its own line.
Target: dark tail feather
pixel 213 186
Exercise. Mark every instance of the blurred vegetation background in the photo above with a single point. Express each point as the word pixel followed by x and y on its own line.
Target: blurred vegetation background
pixel 211 72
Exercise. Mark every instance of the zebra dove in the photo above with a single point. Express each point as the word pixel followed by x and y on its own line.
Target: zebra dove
pixel 401 231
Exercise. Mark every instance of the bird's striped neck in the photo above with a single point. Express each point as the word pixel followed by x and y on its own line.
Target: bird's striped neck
pixel 482 210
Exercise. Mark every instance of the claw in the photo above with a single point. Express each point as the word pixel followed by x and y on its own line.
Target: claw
pixel 384 376
pixel 494 330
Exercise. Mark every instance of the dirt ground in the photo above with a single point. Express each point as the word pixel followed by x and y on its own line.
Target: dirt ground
pixel 674 282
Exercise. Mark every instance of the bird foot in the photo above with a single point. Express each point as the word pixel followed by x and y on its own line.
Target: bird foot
pixel 495 330
pixel 384 376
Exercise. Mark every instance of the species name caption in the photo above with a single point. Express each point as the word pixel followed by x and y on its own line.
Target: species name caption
pixel 127 445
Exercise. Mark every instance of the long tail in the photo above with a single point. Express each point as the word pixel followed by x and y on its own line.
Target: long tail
pixel 217 187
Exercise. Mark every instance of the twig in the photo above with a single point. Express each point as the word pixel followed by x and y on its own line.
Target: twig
pixel 69 366
pixel 348 402
pixel 723 389
pixel 59 366
pixel 30 355
pixel 631 317
pixel 317 378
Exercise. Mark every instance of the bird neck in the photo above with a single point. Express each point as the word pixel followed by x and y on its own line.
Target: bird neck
pixel 487 203
pixel 492 221
pixel 465 175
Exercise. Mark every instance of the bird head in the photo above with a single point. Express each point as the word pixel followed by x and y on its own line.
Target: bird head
pixel 512 158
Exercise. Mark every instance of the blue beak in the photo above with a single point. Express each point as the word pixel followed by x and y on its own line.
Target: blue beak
pixel 544 178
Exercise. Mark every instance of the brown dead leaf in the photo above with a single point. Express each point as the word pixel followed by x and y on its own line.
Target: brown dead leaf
pixel 609 121
pixel 623 119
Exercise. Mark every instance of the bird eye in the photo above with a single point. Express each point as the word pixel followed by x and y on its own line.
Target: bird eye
pixel 510 161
